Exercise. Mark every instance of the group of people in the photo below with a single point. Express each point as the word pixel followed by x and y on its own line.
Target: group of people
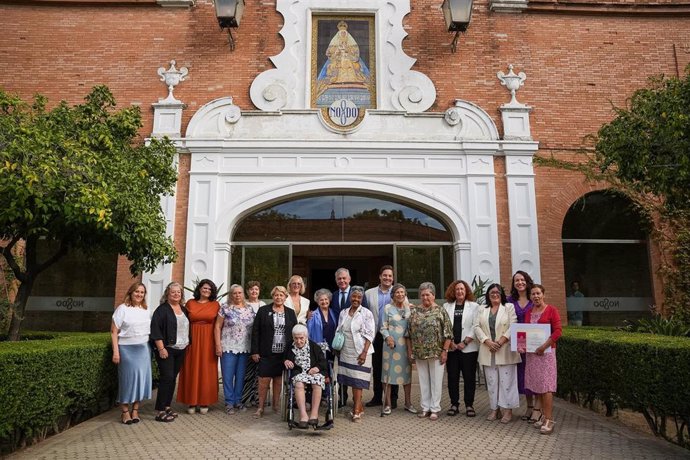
pixel 375 335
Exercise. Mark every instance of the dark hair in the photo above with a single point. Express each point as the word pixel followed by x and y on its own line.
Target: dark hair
pixel 528 280
pixel 450 292
pixel 384 268
pixel 202 283
pixel 536 285
pixel 500 289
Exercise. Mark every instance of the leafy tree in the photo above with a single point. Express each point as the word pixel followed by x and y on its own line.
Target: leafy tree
pixel 80 176
pixel 644 152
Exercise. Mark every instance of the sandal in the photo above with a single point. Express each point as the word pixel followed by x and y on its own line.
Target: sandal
pixel 386 410
pixel 259 413
pixel 547 427
pixel 135 418
pixel 314 422
pixel 470 412
pixel 164 417
pixel 527 415
pixel 453 411
pixel 532 419
pixel 171 413
pixel 125 419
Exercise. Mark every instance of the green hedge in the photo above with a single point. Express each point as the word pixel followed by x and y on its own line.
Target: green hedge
pixel 644 372
pixel 48 384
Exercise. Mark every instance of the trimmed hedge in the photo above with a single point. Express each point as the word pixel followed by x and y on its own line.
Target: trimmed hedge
pixel 644 372
pixel 48 384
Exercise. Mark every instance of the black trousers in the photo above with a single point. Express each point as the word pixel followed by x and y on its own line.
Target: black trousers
pixel 377 370
pixel 467 364
pixel 168 369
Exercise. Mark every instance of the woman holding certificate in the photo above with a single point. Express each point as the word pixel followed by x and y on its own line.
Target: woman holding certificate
pixel 492 329
pixel 540 369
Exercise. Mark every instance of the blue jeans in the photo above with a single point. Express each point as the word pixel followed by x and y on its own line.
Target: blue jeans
pixel 233 367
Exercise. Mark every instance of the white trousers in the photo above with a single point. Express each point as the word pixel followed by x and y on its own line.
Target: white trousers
pixel 430 373
pixel 501 383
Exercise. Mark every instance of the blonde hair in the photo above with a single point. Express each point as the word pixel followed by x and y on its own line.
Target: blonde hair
pixel 300 279
pixel 166 293
pixel 279 289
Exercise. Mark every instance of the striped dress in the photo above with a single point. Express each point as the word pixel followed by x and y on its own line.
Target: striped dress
pixel 350 373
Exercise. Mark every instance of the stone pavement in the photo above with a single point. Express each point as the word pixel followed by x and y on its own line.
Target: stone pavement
pixel 578 434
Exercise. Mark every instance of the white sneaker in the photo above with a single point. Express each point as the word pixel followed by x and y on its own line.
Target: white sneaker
pixel 191 410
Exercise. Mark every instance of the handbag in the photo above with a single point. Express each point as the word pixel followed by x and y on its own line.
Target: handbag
pixel 338 340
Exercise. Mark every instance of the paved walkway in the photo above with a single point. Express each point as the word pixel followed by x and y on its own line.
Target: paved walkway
pixel 578 434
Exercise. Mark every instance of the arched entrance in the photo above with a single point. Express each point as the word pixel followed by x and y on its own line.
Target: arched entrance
pixel 606 260
pixel 314 235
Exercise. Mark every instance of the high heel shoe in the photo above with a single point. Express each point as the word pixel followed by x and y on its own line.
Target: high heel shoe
pixel 313 422
pixel 532 419
pixel 507 417
pixel 547 427
pixel 125 418
pixel 135 416
pixel 528 414
pixel 539 423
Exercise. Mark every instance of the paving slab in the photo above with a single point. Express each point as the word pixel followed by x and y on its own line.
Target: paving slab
pixel 578 434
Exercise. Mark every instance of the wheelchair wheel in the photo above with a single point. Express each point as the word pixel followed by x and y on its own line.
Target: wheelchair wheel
pixel 284 395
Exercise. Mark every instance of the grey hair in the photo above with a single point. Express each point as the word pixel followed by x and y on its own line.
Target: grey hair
pixel 323 292
pixel 235 286
pixel 300 329
pixel 397 286
pixel 359 289
pixel 166 293
pixel 427 286
pixel 342 270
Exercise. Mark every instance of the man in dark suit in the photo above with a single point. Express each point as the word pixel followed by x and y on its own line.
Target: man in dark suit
pixel 340 302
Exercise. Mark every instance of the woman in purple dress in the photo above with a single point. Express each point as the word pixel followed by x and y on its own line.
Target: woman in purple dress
pixel 520 298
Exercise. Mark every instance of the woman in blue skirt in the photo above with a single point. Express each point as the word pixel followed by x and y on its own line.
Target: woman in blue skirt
pixel 130 335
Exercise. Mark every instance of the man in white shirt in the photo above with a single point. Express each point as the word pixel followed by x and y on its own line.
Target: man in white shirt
pixel 377 298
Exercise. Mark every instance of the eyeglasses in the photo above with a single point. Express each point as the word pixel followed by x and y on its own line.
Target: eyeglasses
pixel 494 293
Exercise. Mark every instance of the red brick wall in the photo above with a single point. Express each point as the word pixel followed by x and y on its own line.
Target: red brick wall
pixel 576 65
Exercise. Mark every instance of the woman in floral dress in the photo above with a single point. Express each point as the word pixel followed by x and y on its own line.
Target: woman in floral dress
pixel 397 368
pixel 308 363
pixel 540 370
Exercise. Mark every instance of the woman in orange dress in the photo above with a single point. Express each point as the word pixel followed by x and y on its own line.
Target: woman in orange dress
pixel 198 386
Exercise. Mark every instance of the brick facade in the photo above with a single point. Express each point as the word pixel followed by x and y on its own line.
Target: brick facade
pixel 579 57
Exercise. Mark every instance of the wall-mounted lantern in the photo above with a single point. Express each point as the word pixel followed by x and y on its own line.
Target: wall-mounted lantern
pixel 457 14
pixel 229 14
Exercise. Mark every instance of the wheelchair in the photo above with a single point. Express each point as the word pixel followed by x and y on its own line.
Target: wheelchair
pixel 329 400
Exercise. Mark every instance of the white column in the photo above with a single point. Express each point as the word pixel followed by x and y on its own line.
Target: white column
pixel 482 215
pixel 522 209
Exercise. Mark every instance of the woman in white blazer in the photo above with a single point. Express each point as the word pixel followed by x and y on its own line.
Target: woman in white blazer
pixel 354 360
pixel 295 300
pixel 464 349
pixel 492 329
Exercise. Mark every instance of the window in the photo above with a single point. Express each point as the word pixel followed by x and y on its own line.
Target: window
pixel 606 257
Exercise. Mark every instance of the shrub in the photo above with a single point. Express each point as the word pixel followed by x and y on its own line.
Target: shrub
pixel 47 385
pixel 645 372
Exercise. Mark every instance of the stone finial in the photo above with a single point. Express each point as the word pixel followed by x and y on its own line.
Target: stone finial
pixel 172 77
pixel 513 83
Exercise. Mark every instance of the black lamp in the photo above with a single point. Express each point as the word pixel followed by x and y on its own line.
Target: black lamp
pixel 229 14
pixel 457 14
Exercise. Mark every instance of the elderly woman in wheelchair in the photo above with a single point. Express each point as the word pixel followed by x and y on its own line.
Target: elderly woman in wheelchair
pixel 306 365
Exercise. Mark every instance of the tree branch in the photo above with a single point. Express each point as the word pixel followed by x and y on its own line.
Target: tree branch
pixel 9 257
pixel 52 259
